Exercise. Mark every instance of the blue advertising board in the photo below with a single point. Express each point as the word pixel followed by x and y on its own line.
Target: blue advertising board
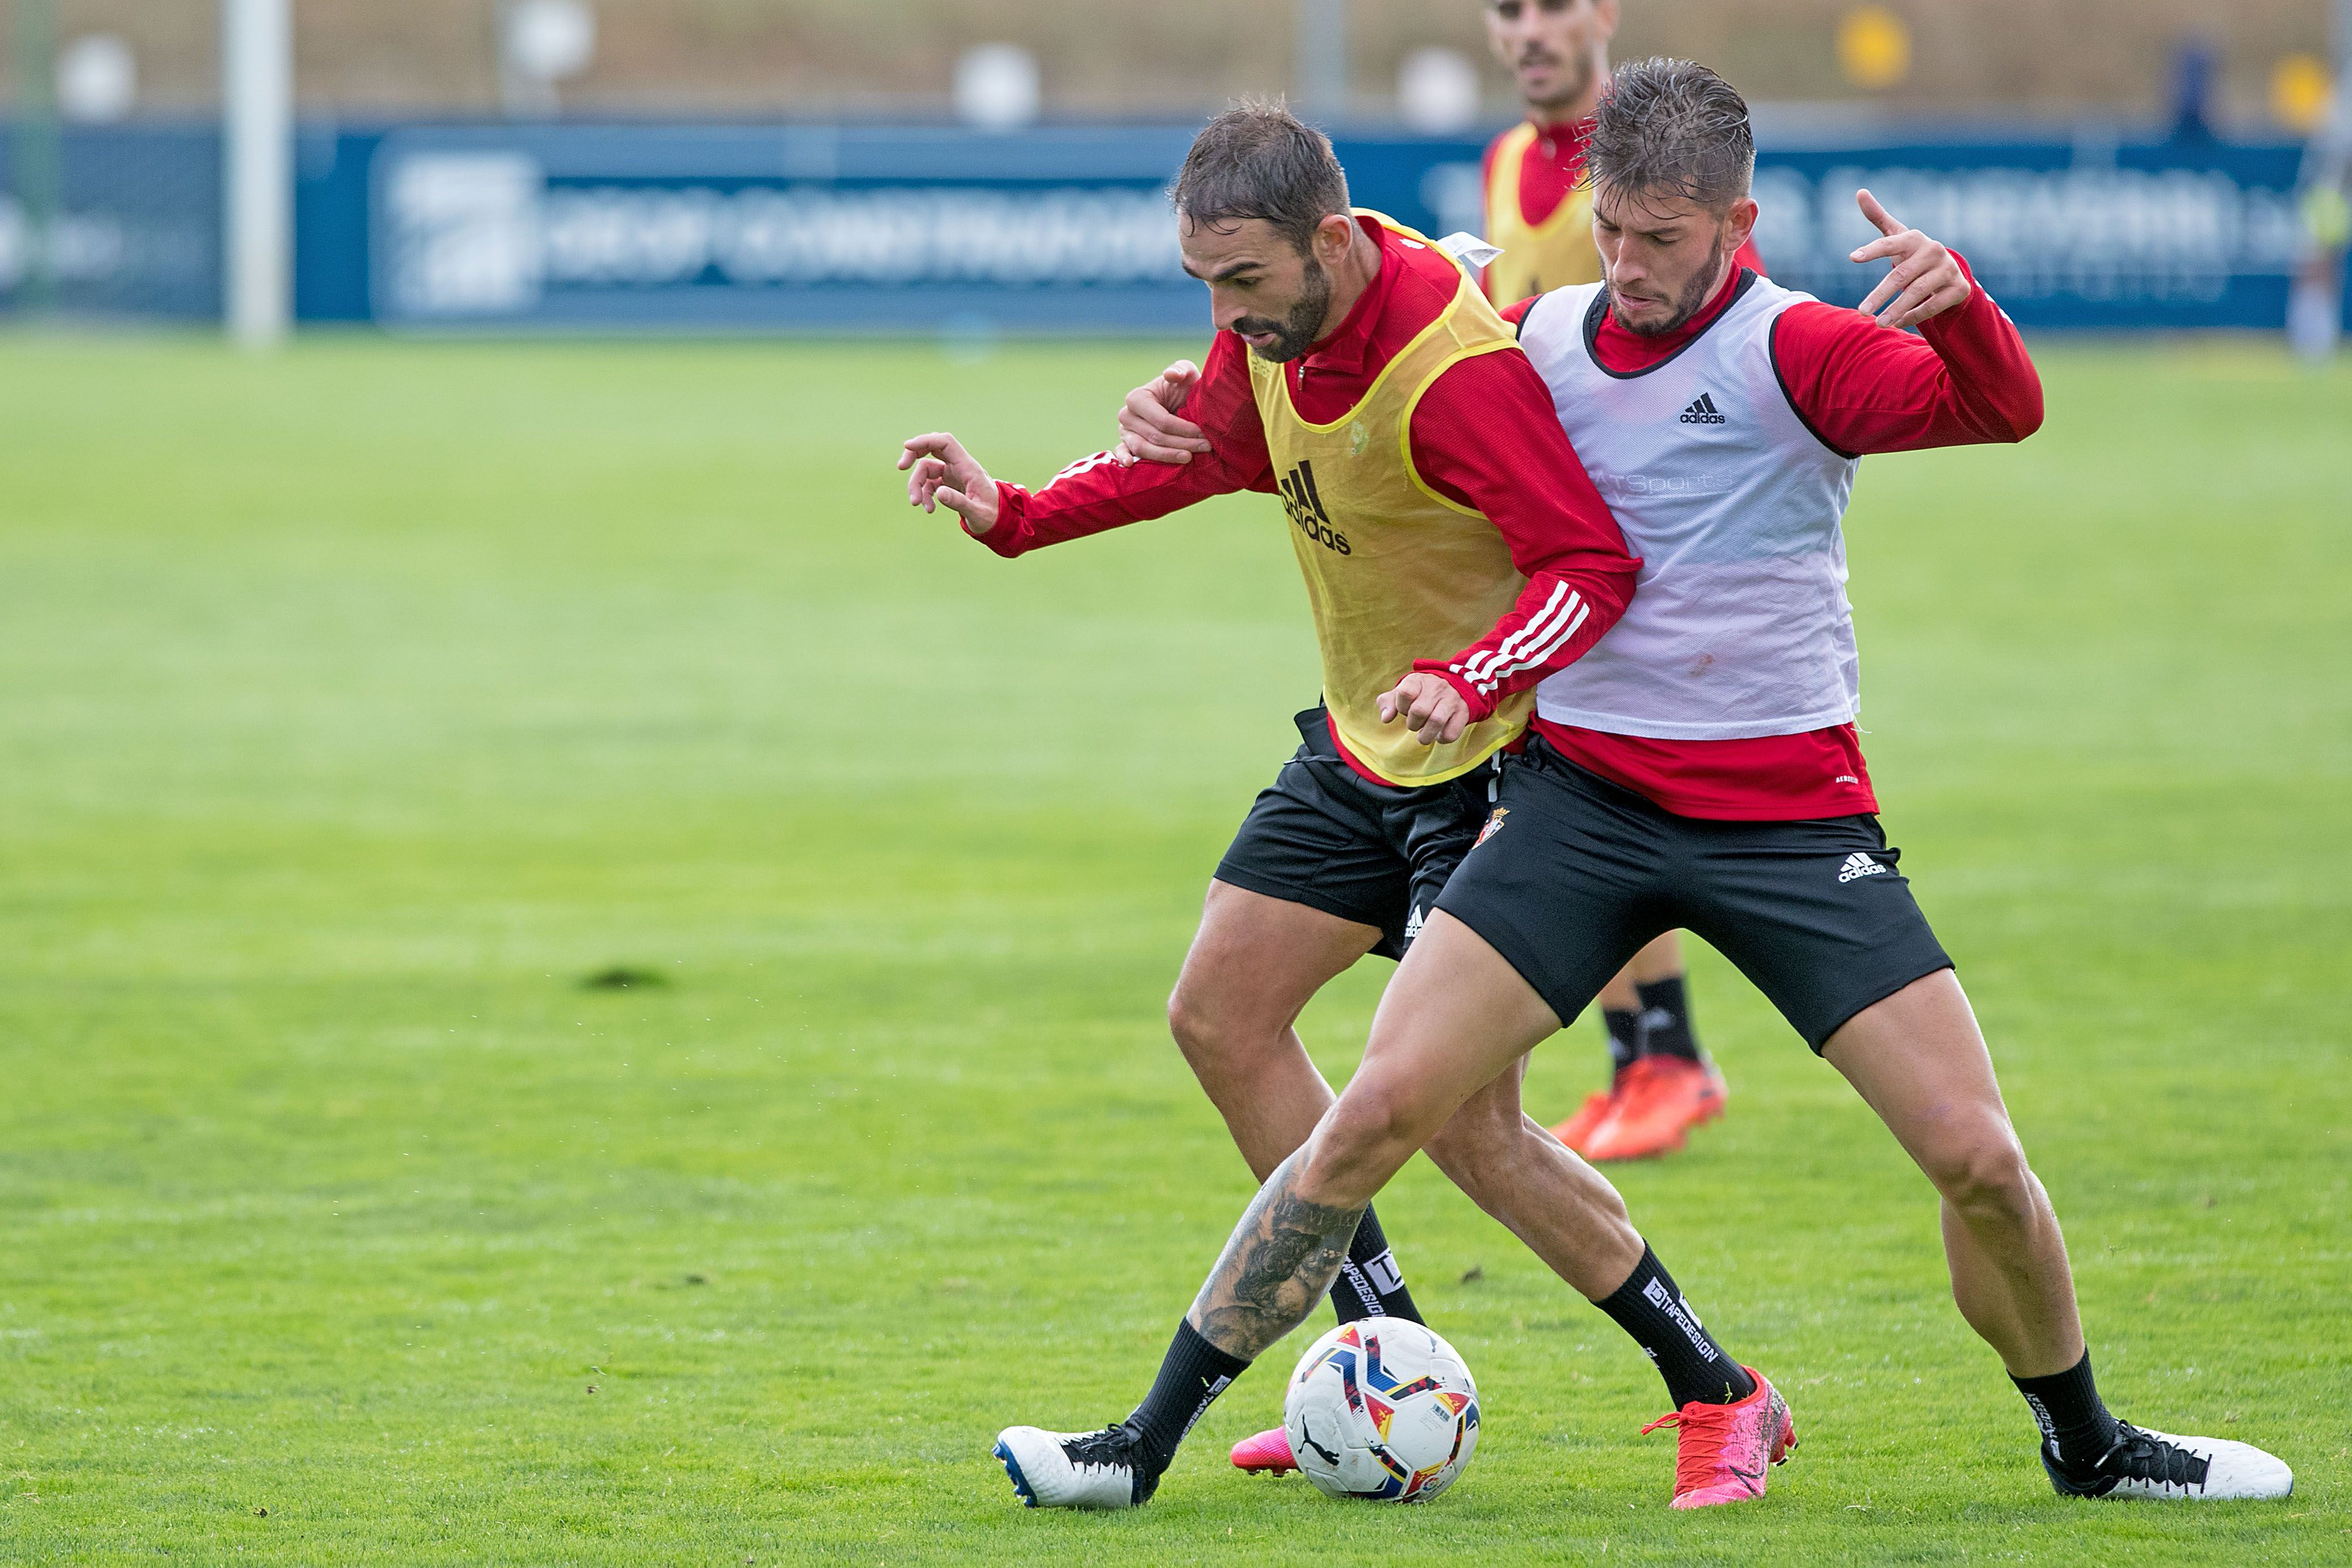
pixel 729 228
pixel 1067 229
pixel 137 230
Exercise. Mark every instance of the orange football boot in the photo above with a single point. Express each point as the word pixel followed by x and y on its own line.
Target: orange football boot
pixel 1577 1129
pixel 1267 1454
pixel 1660 1099
pixel 1722 1452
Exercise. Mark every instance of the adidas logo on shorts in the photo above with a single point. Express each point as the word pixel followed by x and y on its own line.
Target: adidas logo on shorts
pixel 1858 865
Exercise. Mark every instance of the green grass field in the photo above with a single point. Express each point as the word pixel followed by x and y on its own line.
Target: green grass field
pixel 357 705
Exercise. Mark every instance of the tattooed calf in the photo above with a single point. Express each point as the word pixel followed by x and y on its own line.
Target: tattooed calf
pixel 1283 1257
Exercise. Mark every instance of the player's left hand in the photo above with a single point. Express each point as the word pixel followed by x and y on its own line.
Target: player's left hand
pixel 1430 708
pixel 1925 282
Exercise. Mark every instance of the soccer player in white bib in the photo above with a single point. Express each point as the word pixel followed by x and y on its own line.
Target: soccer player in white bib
pixel 1696 769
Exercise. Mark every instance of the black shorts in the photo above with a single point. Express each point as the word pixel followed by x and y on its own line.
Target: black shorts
pixel 1327 837
pixel 1577 873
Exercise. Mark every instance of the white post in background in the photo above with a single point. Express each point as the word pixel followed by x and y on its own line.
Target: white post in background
pixel 1321 65
pixel 257 158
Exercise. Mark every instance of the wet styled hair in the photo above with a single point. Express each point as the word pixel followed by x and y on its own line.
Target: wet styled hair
pixel 1257 160
pixel 1672 128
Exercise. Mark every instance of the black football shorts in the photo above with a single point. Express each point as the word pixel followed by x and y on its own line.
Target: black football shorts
pixel 1325 836
pixel 1575 873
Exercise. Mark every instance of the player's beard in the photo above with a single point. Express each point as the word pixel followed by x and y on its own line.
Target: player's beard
pixel 1694 298
pixel 1296 332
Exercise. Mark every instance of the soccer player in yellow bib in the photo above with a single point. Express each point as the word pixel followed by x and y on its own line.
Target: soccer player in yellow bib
pixel 1454 550
pixel 1539 210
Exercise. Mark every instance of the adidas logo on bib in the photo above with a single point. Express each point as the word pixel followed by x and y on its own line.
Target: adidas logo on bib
pixel 1702 411
pixel 1858 865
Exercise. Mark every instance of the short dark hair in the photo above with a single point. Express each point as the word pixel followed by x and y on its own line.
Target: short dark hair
pixel 1672 128
pixel 1257 160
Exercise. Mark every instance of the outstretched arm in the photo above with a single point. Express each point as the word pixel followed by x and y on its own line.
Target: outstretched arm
pixel 1864 384
pixel 1103 491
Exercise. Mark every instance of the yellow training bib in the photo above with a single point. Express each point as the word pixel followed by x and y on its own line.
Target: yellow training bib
pixel 1552 254
pixel 1394 571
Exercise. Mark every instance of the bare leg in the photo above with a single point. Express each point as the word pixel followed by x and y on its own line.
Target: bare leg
pixel 1919 1060
pixel 1254 966
pixel 1661 957
pixel 1564 1210
pixel 1446 1027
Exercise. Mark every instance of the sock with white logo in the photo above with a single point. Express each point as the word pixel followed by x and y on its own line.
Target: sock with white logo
pixel 2073 1419
pixel 1191 1378
pixel 1650 1308
pixel 1625 1036
pixel 1665 1019
pixel 1369 1283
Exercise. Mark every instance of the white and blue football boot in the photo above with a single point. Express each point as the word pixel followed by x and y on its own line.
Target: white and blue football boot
pixel 2158 1465
pixel 1076 1469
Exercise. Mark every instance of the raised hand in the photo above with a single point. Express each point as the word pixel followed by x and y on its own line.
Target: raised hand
pixel 1926 281
pixel 1430 708
pixel 1150 426
pixel 942 474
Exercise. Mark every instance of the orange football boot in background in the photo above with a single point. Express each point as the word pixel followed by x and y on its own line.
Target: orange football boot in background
pixel 1660 1100
pixel 1579 1128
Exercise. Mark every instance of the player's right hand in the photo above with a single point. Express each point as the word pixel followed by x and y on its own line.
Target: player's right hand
pixel 940 473
pixel 1429 706
pixel 1151 425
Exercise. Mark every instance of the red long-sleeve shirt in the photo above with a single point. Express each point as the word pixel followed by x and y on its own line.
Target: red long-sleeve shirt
pixel 1484 435
pixel 1964 378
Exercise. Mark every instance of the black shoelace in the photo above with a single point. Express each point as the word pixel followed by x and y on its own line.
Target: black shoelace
pixel 1115 1445
pixel 2142 1456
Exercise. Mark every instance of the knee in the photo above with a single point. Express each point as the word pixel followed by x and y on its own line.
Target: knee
pixel 1373 1128
pixel 1207 1038
pixel 1987 1178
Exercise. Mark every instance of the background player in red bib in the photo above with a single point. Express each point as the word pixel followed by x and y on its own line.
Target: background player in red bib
pixel 1539 210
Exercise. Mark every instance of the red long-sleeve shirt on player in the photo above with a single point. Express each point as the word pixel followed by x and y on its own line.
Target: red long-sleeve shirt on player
pixel 1484 435
pixel 1964 378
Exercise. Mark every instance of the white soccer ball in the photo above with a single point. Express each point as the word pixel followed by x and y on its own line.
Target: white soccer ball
pixel 1382 1409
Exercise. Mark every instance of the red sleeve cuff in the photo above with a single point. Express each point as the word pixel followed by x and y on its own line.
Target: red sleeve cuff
pixel 1011 507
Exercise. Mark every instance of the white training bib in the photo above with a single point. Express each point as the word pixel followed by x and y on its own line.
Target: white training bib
pixel 1740 624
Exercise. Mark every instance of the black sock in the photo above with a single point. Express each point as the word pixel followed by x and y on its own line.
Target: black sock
pixel 1665 1019
pixel 2067 1408
pixel 1370 1284
pixel 1194 1372
pixel 1650 1308
pixel 1625 1036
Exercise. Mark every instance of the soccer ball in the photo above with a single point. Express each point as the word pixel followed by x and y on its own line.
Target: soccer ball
pixel 1383 1409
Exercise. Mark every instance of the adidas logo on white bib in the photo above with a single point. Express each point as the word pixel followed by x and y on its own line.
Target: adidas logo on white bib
pixel 1858 865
